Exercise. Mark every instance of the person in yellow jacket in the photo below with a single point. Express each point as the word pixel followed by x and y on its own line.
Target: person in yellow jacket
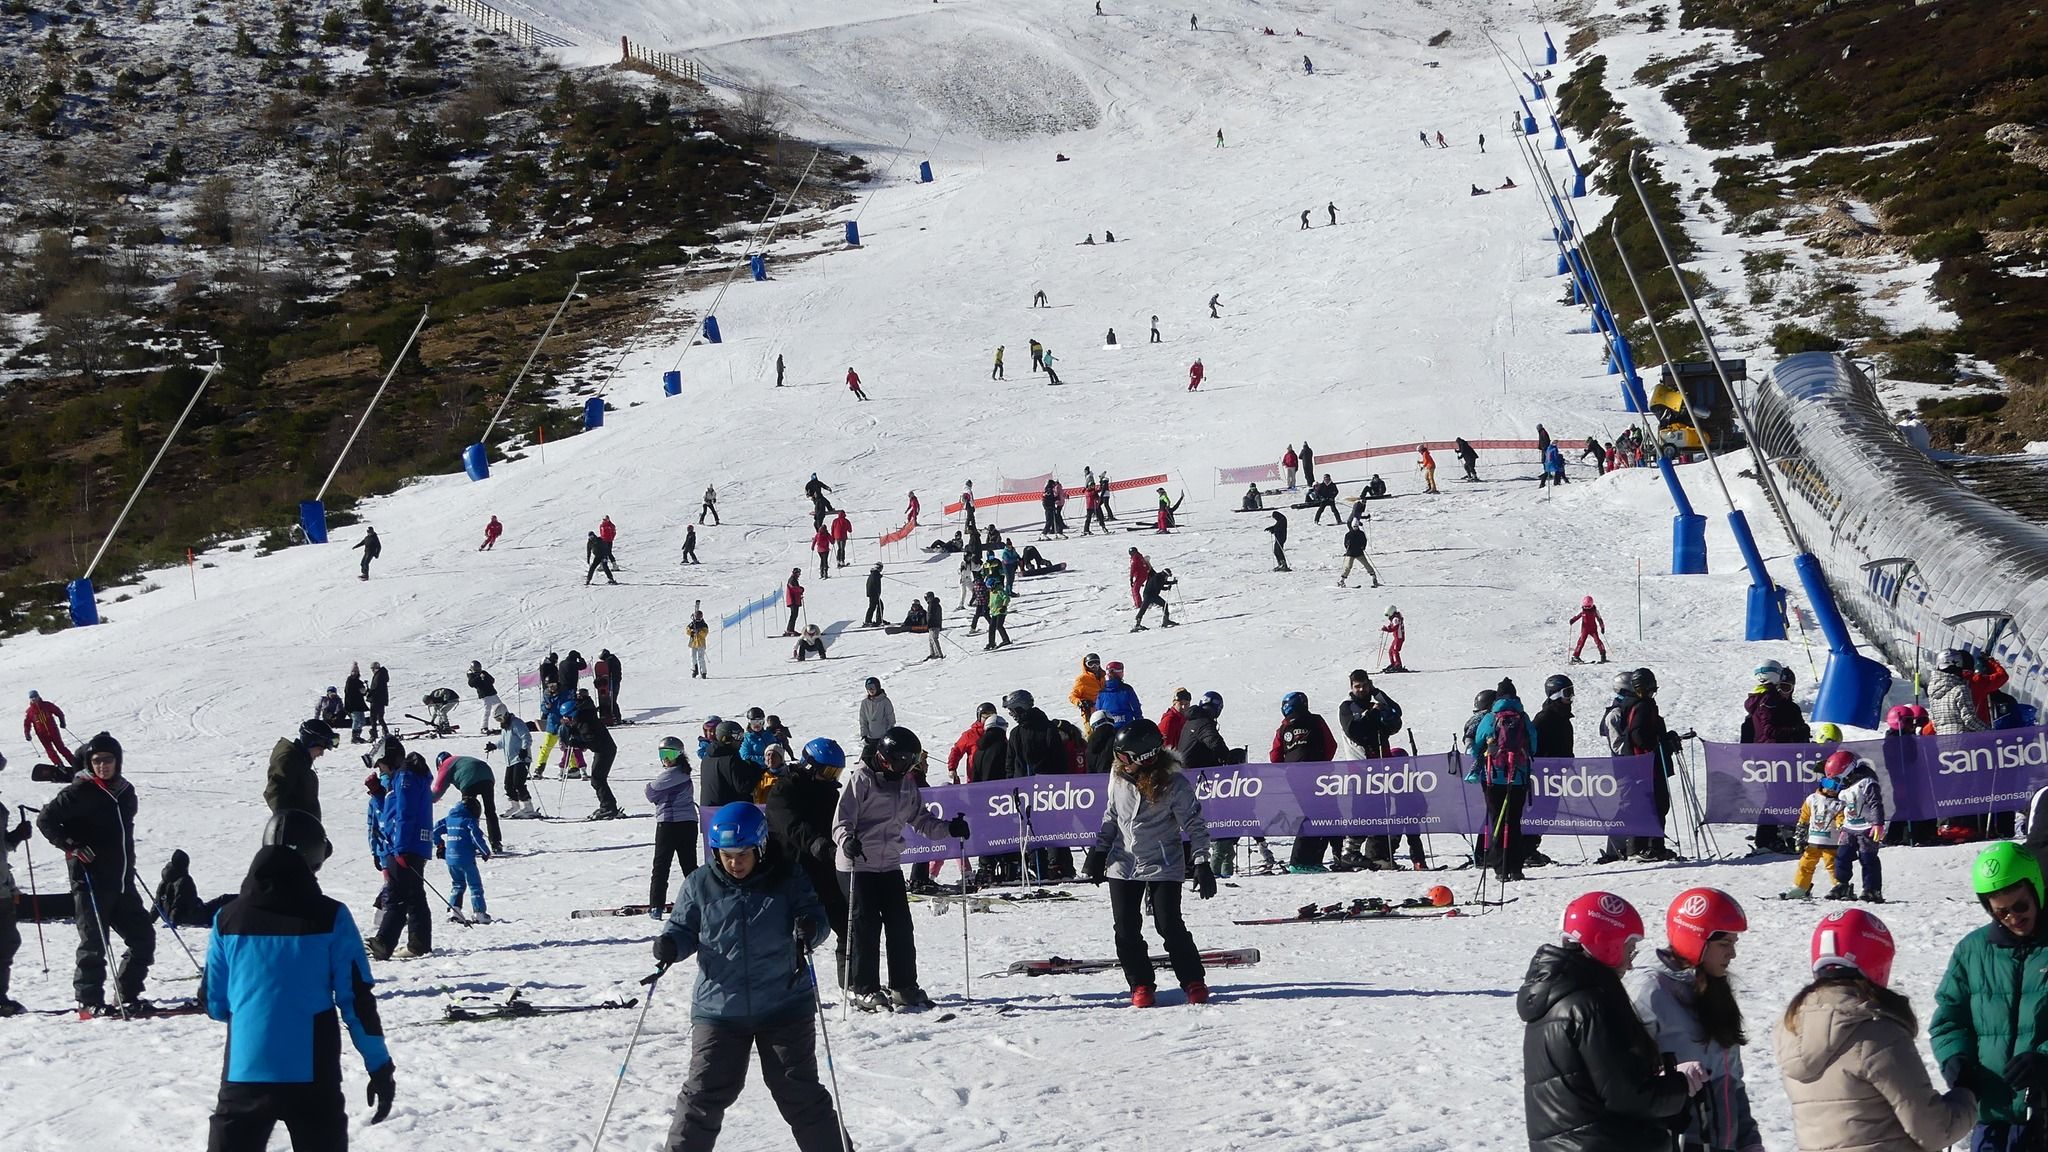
pixel 1087 686
pixel 700 634
pixel 1820 819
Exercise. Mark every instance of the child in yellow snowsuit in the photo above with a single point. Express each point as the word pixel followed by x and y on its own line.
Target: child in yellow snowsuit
pixel 1819 818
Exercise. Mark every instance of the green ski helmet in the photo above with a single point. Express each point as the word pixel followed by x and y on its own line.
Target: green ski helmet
pixel 2000 867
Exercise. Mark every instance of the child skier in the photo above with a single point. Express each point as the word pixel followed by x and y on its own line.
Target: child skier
pixel 1819 820
pixel 868 829
pixel 1151 808
pixel 1590 627
pixel 459 840
pixel 1397 628
pixel 675 823
pixel 1862 826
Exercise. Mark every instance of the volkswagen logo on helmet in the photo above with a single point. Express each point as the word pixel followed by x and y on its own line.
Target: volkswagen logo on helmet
pixel 1693 906
pixel 1612 904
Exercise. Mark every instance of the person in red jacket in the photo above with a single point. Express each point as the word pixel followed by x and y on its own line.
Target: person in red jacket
pixel 853 384
pixel 43 719
pixel 1590 626
pixel 607 530
pixel 1290 462
pixel 1303 737
pixel 1396 628
pixel 1092 511
pixel 842 528
pixel 1140 569
pixel 1987 677
pixel 910 513
pixel 1194 375
pixel 962 750
pixel 492 531
pixel 1175 717
pixel 793 595
pixel 822 545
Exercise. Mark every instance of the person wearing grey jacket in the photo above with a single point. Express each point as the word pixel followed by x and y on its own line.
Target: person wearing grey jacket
pixel 867 826
pixel 1152 808
pixel 877 714
pixel 673 795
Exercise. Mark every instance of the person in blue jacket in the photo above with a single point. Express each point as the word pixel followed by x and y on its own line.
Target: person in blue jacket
pixel 1117 698
pixel 408 831
pixel 459 841
pixel 754 745
pixel 1503 752
pixel 283 962
pixel 751 919
pixel 707 741
pixel 1553 467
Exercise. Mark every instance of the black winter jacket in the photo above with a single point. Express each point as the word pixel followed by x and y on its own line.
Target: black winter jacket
pixel 800 812
pixel 292 782
pixel 484 684
pixel 1102 747
pixel 727 779
pixel 352 695
pixel 1553 724
pixel 992 756
pixel 591 732
pixel 380 688
pixel 1592 1079
pixel 1036 747
pixel 87 814
pixel 1201 744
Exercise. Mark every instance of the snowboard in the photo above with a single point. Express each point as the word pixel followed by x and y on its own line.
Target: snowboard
pixel 1060 965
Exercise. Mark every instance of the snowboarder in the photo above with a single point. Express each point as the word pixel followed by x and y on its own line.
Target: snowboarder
pixel 598 551
pixel 1253 500
pixel 1308 463
pixel 710 506
pixel 1469 457
pixel 372 548
pixel 92 821
pixel 492 531
pixel 793 597
pixel 853 385
pixel 1155 330
pixel 699 634
pixel 1216 300
pixel 1195 375
pixel 1154 596
pixel 486 689
pixel 867 826
pixel 874 617
pixel 1279 530
pixel 1331 208
pixel 283 1061
pixel 1151 812
pixel 1219 137
pixel 1396 629
pixel 996 373
pixel 1308 66
pixel 1039 300
pixel 1592 1077
pixel 1590 627
pixel 1304 219
pixel 751 919
pixel 1045 362
pixel 1192 26
pixel 1354 553
pixel 45 721
pixel 1482 143
pixel 778 369
pixel 1109 341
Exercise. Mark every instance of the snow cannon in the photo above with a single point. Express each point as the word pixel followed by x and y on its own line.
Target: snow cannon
pixel 313 520
pixel 758 265
pixel 593 413
pixel 1528 119
pixel 85 612
pixel 711 333
pixel 672 383
pixel 1578 176
pixel 1557 143
pixel 1853 687
pixel 924 172
pixel 853 233
pixel 1549 50
pixel 476 462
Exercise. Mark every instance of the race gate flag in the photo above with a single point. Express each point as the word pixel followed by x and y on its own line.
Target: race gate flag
pixel 1922 777
pixel 1583 795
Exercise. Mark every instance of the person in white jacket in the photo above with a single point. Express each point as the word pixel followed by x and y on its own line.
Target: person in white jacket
pixel 1689 1006
pixel 867 828
pixel 1152 809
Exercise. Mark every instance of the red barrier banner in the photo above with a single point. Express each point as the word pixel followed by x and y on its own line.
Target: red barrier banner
pixel 1002 498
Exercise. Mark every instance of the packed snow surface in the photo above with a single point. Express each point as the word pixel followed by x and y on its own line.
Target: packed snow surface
pixel 1423 313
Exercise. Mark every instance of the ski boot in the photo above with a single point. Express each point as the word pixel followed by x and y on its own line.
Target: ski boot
pixel 1796 893
pixel 873 1000
pixel 1871 896
pixel 1197 990
pixel 909 999
pixel 1841 892
pixel 1142 996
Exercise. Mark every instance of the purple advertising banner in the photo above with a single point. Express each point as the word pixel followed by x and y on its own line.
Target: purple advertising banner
pixel 1585 795
pixel 1923 777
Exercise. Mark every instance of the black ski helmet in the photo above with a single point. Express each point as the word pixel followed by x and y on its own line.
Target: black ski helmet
pixel 388 754
pixel 1019 700
pixel 299 831
pixel 729 733
pixel 1139 740
pixel 896 753
pixel 1484 701
pixel 1559 685
pixel 318 734
pixel 1645 682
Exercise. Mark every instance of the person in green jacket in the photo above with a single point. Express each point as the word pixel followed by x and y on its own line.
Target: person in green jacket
pixel 1988 1031
pixel 476 781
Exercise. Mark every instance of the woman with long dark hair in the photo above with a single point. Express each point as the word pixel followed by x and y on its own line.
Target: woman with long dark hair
pixel 1846 1049
pixel 1688 1004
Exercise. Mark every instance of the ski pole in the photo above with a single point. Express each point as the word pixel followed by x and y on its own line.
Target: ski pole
pixel 28 847
pixel 853 950
pixel 818 1001
pixel 966 949
pixel 164 914
pixel 99 922
pixel 648 1002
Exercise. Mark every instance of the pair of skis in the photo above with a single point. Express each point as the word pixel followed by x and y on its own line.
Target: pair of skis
pixel 1061 965
pixel 1371 908
pixel 516 1006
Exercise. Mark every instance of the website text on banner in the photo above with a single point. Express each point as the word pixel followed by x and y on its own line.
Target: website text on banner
pixel 1923 777
pixel 953 509
pixel 1585 796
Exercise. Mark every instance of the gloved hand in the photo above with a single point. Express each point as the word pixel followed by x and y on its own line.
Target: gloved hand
pixel 490 745
pixel 1955 1071
pixel 383 1087
pixel 1695 1074
pixel 1205 880
pixel 82 853
pixel 665 952
pixel 805 929
pixel 821 850
pixel 2026 1072
pixel 957 827
pixel 22 831
pixel 854 851
pixel 1093 865
pixel 440 851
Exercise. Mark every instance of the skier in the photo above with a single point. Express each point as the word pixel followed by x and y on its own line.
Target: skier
pixel 1369 718
pixel 1426 464
pixel 778 369
pixel 459 841
pixel 1195 372
pixel 608 530
pixel 598 551
pixel 1469 456
pixel 1192 26
pixel 998 612
pixel 282 962
pixel 1323 498
pixel 592 736
pixel 1153 596
pixel 1118 700
pixel 92 821
pixel 486 689
pixel 1303 737
pixel 1151 811
pixel 793 596
pixel 800 807
pixel 1424 137
pixel 710 505
pixel 378 697
pixel 867 826
pixel 1590 627
pixel 1091 501
pixel 1308 66
pixel 675 823
pixel 1592 1077
pixel 1862 832
pixel 517 742
pixel 1279 530
pixel 291 782
pixel 1482 143
pixel 1045 362
pixel 1103 492
pixel 821 544
pixel 1290 461
pixel 699 632
pixel 1087 685
pixel 910 511
pixel 1818 832
pixel 1396 629
pixel 690 545
pixel 853 385
pixel 1987 1025
pixel 1846 1049
pixel 492 531
pixel 372 548
pixel 751 920
pixel 1219 144
pixel 996 373
pixel 45 721
pixel 1304 211
pixel 1140 569
pixel 1155 330
pixel 1216 301
pixel 877 713
pixel 441 704
pixel 354 703
pixel 1771 717
pixel 1685 1000
pixel 874 617
pixel 1162 520
pixel 1505 745
pixel 474 780
pixel 1331 208
pixel 404 843
pixel 1440 141
pixel 1634 727
pixel 1354 553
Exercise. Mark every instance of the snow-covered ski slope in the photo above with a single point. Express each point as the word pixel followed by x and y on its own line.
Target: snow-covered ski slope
pixel 1424 314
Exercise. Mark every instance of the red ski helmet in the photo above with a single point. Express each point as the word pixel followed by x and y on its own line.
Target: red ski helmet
pixel 1855 939
pixel 1696 916
pixel 1839 763
pixel 1442 897
pixel 1605 925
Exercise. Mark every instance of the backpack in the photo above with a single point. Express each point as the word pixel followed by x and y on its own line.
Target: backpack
pixel 1507 754
pixel 1614 726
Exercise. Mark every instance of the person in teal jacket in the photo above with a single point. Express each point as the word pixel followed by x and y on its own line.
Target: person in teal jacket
pixel 1988 1031
pixel 751 919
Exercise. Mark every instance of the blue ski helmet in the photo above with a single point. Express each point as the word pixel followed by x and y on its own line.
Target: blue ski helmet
pixel 825 752
pixel 738 825
pixel 1212 703
pixel 1294 704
